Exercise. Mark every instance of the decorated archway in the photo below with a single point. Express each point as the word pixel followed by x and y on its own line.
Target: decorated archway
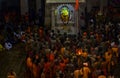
pixel 64 19
pixel 65 14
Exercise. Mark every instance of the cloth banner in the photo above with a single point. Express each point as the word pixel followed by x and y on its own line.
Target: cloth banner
pixel 76 5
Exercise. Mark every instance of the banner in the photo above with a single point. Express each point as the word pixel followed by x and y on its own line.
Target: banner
pixel 77 5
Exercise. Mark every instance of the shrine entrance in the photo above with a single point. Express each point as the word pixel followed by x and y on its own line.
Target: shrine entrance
pixel 64 19
pixel 62 16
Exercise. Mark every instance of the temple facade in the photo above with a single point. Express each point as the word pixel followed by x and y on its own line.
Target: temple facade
pixel 61 14
pixel 55 11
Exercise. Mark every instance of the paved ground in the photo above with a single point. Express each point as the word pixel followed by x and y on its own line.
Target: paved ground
pixel 12 59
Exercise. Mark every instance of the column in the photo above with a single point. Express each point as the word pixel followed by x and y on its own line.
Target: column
pixel 77 21
pixel 38 5
pixel 53 16
pixel 101 5
pixel 89 5
pixel 23 6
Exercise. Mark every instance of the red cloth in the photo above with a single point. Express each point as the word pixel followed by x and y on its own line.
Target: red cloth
pixel 47 67
pixel 76 5
pixel 51 57
pixel 62 66
pixel 47 70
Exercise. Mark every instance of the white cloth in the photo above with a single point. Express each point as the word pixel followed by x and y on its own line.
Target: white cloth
pixel 8 45
pixel 112 44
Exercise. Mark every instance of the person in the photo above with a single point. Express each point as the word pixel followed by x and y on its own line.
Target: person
pixel 11 74
pixel 77 73
pixel 102 75
pixel 43 73
pixel 85 70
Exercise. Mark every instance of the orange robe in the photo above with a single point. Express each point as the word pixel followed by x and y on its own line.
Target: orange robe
pixel 29 62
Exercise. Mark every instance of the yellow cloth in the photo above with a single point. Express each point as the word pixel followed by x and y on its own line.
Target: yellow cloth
pixel 115 49
pixel 1 47
pixel 108 57
pixel 85 71
pixel 84 54
pixel 35 71
pixel 101 76
pixel 76 73
pixel 11 76
pixel 29 62
pixel 62 50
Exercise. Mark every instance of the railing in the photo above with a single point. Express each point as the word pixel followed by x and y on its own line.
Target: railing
pixel 63 1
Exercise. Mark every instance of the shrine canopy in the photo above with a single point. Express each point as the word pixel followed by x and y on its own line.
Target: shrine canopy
pixel 64 1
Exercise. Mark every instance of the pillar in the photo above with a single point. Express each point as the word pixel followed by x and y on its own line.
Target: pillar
pixel 53 16
pixel 101 5
pixel 77 21
pixel 38 5
pixel 89 5
pixel 23 6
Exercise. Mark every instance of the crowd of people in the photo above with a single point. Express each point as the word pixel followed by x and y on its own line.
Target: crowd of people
pixel 92 53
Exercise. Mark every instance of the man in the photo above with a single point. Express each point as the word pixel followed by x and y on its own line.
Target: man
pixel 102 75
pixel 85 70
pixel 77 73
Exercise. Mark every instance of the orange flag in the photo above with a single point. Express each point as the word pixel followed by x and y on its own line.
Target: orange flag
pixel 76 5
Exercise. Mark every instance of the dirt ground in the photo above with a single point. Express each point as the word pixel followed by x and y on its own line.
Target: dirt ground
pixel 13 59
